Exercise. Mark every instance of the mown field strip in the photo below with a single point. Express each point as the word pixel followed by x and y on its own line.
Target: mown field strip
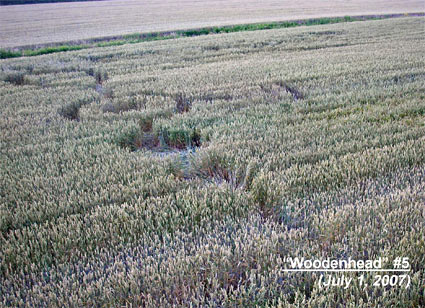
pixel 61 22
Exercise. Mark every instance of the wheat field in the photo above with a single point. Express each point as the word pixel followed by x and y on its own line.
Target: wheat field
pixel 23 25
pixel 182 172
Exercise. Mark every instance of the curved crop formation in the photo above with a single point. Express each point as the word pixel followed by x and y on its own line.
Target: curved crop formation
pixel 184 172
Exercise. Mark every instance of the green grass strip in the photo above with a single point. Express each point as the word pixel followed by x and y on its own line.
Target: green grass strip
pixel 155 36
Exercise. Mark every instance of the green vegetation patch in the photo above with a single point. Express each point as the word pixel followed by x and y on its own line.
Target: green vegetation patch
pixel 16 78
pixel 159 139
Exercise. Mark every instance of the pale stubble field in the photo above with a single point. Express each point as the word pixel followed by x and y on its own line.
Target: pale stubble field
pixel 58 22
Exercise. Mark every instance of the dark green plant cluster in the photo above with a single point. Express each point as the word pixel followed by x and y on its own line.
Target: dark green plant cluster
pixel 179 138
pixel 145 123
pixel 183 103
pixel 54 49
pixel 159 138
pixel 212 165
pixel 16 78
pixel 100 76
pixel 130 139
pixel 4 54
pixel 71 111
pixel 163 139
